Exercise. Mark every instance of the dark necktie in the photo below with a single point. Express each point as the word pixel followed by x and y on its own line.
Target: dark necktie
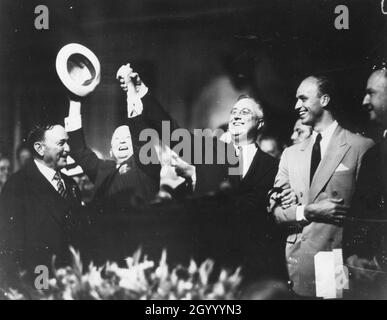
pixel 316 157
pixel 59 185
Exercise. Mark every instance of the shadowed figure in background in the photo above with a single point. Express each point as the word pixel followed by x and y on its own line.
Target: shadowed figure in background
pixel 301 132
pixel 23 155
pixel 366 234
pixel 5 170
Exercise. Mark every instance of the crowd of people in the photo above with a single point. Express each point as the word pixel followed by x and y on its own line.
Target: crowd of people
pixel 324 192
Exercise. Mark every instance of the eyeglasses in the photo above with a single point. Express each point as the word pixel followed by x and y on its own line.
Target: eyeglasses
pixel 243 112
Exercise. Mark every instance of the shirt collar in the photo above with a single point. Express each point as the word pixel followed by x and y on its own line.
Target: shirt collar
pixel 252 147
pixel 328 132
pixel 47 172
pixel 385 134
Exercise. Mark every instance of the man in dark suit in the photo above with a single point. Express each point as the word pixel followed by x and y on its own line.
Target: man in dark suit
pixel 322 171
pixel 366 233
pixel 122 182
pixel 247 175
pixel 39 206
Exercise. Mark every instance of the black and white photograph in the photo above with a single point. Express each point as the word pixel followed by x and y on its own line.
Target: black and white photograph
pixel 212 150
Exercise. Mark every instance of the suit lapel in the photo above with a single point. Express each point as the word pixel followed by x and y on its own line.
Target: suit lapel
pixel 335 152
pixel 254 168
pixel 43 187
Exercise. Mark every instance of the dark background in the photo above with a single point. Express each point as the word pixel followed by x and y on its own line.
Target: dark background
pixel 196 56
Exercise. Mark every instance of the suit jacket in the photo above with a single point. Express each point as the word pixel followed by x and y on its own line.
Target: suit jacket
pixel 210 176
pixel 261 254
pixel 335 177
pixel 366 235
pixel 115 191
pixel 35 221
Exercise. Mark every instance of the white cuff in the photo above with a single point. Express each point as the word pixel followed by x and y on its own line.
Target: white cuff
pixel 300 213
pixel 73 123
pixel 134 106
pixel 193 178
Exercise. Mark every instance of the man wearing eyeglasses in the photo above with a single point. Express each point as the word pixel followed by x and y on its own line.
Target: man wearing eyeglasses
pixel 249 184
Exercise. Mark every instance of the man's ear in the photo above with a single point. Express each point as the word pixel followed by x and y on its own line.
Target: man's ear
pixel 111 153
pixel 39 148
pixel 324 100
pixel 260 124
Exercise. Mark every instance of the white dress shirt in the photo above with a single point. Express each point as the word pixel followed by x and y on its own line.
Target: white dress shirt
pixel 326 136
pixel 248 154
pixel 49 174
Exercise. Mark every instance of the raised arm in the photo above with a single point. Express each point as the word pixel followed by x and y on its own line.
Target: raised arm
pixel 83 155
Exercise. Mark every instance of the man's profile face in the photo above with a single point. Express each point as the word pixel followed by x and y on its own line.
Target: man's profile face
pixel 121 145
pixel 55 147
pixel 308 105
pixel 301 132
pixel 245 117
pixel 375 99
pixel 5 170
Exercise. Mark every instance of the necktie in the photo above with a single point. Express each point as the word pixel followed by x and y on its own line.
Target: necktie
pixel 59 185
pixel 316 157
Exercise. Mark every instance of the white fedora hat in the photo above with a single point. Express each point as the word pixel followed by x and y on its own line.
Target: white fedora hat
pixel 78 68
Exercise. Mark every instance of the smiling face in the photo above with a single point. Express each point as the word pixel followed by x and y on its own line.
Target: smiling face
pixel 121 145
pixel 375 99
pixel 300 132
pixel 53 149
pixel 310 103
pixel 246 118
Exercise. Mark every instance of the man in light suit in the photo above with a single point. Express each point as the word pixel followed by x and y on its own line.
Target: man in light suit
pixel 322 171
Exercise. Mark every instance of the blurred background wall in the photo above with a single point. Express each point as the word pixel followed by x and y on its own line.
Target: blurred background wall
pixel 196 56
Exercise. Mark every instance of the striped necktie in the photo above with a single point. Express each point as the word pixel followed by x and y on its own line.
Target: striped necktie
pixel 59 185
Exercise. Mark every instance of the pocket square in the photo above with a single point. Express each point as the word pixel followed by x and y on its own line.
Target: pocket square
pixel 341 168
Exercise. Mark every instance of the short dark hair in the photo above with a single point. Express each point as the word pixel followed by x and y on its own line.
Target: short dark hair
pixel 326 85
pixel 37 134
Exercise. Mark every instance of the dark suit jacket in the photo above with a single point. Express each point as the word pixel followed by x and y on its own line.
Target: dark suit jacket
pixel 114 191
pixel 366 235
pixel 261 253
pixel 209 177
pixel 35 221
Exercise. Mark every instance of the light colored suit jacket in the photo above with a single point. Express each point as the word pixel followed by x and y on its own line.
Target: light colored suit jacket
pixel 335 177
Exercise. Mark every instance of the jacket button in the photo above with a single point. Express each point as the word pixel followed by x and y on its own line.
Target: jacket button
pixel 301 194
pixel 335 193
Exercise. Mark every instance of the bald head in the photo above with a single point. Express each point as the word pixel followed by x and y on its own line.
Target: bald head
pixel 375 99
pixel 121 144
